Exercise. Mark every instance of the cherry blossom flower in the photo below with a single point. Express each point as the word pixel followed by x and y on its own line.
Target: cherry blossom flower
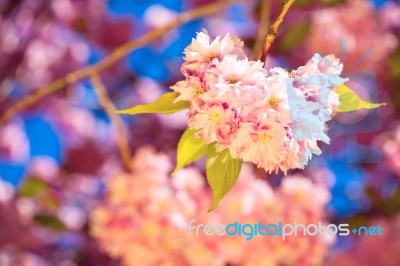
pixel 272 118
pixel 203 50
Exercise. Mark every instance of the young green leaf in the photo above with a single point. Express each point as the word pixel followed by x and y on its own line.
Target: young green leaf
pixel 32 187
pixel 295 36
pixel 222 172
pixel 190 149
pixel 50 221
pixel 163 105
pixel 349 100
pixel 302 3
pixel 332 2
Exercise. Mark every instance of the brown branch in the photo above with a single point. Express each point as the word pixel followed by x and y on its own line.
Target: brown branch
pixel 273 30
pixel 116 121
pixel 115 56
pixel 262 29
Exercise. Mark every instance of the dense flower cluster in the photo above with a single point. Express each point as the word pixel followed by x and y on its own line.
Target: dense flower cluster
pixel 271 118
pixel 144 217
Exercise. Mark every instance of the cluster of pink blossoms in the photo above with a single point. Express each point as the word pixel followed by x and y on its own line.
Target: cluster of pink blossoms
pixel 272 118
pixel 144 218
pixel 366 49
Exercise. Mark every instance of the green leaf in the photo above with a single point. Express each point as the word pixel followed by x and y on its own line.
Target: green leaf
pixel 163 105
pixel 32 187
pixel 349 101
pixel 299 3
pixel 222 173
pixel 360 219
pixel 295 36
pixel 393 64
pixel 190 149
pixel 332 2
pixel 393 67
pixel 302 3
pixel 393 204
pixel 50 221
pixel 375 198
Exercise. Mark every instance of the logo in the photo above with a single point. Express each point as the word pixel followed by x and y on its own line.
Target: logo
pixel 281 230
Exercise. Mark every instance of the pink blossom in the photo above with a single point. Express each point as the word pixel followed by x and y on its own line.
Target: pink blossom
pixel 390 145
pixel 200 53
pixel 14 144
pixel 211 120
pixel 144 222
pixel 373 250
pixel 363 49
pixel 272 118
pixel 188 89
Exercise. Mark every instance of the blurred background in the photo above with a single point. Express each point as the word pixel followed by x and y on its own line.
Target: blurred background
pixel 65 198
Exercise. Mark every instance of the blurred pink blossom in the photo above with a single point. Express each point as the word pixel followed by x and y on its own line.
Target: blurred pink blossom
pixel 390 15
pixel 157 16
pixel 7 191
pixel 14 144
pixel 43 167
pixel 389 142
pixel 373 250
pixel 144 217
pixel 338 30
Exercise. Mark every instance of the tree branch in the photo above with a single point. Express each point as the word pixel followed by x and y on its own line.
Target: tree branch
pixel 115 56
pixel 273 30
pixel 116 121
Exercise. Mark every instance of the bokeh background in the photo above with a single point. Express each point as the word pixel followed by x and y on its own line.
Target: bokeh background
pixel 66 200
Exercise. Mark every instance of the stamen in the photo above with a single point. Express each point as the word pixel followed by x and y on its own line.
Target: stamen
pixel 273 102
pixel 232 79
pixel 215 117
pixel 197 91
pixel 264 138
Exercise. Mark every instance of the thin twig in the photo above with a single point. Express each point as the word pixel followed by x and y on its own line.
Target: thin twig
pixel 273 30
pixel 116 121
pixel 113 57
pixel 262 29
